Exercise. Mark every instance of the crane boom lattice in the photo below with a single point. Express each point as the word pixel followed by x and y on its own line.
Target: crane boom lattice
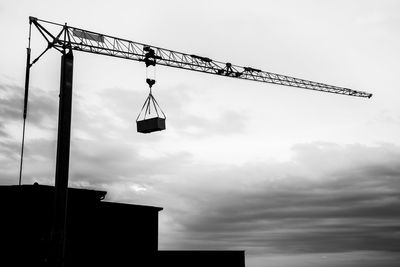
pixel 102 44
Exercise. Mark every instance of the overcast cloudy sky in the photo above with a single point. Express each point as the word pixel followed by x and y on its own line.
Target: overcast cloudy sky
pixel 293 177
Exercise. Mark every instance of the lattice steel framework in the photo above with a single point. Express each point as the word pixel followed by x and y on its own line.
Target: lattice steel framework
pixel 73 38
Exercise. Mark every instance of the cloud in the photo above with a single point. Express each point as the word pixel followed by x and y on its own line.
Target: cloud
pixel 3 132
pixel 348 259
pixel 114 162
pixel 41 116
pixel 354 207
pixel 228 123
pixel 41 105
pixel 10 101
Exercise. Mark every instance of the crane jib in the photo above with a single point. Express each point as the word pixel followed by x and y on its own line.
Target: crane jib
pixel 103 44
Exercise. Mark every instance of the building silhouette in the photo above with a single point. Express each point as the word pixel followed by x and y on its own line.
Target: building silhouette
pixel 98 233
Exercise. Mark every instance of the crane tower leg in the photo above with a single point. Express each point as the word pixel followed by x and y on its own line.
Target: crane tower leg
pixel 62 160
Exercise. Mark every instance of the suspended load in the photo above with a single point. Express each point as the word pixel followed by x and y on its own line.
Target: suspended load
pixel 151 117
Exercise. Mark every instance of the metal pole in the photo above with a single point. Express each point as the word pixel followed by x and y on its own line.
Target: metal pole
pixel 28 68
pixel 62 160
pixel 27 72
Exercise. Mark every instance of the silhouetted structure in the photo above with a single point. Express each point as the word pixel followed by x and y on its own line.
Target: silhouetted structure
pixel 99 233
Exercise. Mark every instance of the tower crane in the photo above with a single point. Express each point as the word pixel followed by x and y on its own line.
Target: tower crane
pixel 66 39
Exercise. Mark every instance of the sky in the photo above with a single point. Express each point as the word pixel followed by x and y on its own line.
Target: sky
pixel 291 176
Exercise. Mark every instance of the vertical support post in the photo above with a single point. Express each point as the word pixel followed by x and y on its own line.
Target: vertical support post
pixel 27 72
pixel 62 160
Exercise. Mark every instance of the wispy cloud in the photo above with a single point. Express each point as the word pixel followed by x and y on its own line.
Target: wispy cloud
pixel 3 132
pixel 355 208
pixel 41 105
pixel 41 117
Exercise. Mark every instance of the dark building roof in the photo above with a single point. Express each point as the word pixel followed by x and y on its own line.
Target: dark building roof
pixel 36 191
pixel 45 191
pixel 98 233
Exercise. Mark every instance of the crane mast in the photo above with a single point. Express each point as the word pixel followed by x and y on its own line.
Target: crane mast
pixel 66 39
